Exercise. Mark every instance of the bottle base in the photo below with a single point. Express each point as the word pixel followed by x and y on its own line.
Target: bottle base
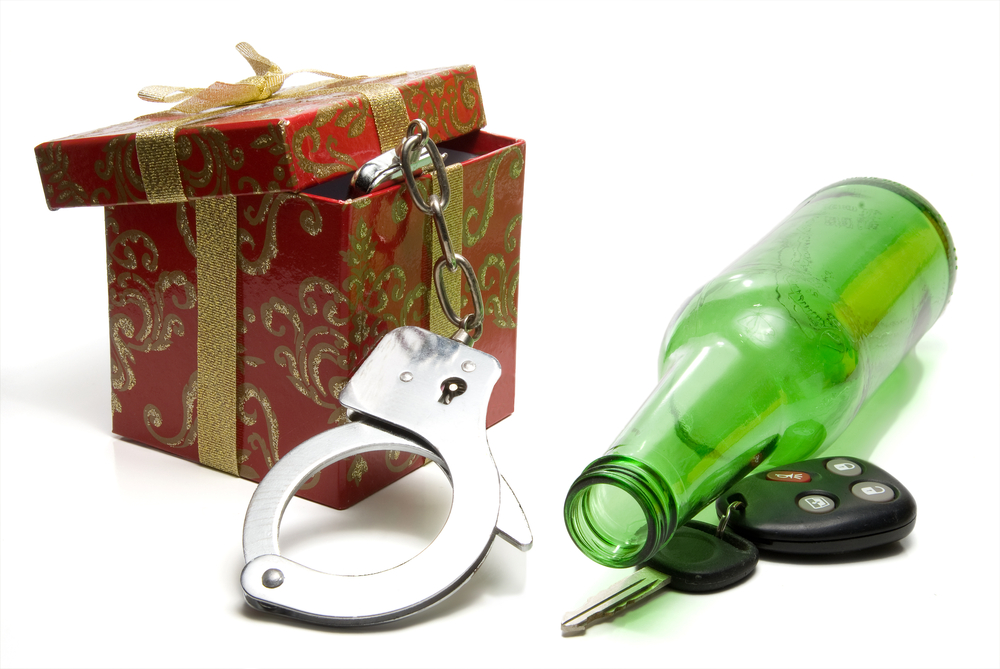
pixel 918 201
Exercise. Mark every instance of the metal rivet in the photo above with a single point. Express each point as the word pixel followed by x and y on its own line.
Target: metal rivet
pixel 468 366
pixel 406 377
pixel 272 578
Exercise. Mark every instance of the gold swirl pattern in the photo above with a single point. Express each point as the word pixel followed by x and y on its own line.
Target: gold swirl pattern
pixel 110 226
pixel 392 456
pixel 400 208
pixel 311 349
pixel 469 92
pixel 157 327
pixel 347 116
pixel 366 302
pixel 184 228
pixel 338 311
pixel 310 220
pixel 274 142
pixel 435 105
pixel 354 119
pixel 311 483
pixel 122 376
pixel 243 326
pixel 369 295
pixel 269 446
pixel 487 185
pixel 516 165
pixel 117 165
pixel 189 431
pixel 331 308
pixel 217 161
pixel 510 239
pixel 150 260
pixel 434 85
pixel 503 306
pixel 53 166
pixel 357 469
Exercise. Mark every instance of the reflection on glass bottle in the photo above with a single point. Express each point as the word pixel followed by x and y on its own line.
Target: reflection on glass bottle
pixel 769 362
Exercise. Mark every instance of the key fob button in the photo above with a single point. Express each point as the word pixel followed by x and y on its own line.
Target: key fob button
pixel 843 467
pixel 872 492
pixel 816 504
pixel 788 476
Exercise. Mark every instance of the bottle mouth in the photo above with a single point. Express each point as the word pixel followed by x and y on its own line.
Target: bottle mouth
pixel 614 516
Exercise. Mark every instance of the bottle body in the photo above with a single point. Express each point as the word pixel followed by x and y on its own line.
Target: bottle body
pixel 769 362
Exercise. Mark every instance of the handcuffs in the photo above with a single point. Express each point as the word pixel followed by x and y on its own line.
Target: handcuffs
pixel 419 393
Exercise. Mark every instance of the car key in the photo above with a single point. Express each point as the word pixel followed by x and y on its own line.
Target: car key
pixel 697 559
pixel 822 506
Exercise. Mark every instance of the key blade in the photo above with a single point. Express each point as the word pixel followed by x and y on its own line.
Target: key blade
pixel 613 600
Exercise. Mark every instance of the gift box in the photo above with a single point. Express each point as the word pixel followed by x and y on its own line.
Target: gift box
pixel 246 284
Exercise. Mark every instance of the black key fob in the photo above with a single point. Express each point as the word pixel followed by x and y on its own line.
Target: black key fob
pixel 697 560
pixel 828 505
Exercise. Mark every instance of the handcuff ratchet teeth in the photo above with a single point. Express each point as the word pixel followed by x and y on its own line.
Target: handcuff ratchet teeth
pixel 417 393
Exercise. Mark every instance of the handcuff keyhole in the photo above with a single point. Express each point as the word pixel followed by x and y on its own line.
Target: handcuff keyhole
pixel 452 388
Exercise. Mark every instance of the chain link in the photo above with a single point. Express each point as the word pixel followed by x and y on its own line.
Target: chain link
pixel 417 136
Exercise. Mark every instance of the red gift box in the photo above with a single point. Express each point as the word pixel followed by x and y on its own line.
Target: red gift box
pixel 246 285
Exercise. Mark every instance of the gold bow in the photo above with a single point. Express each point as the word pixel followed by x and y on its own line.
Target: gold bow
pixel 267 80
pixel 155 144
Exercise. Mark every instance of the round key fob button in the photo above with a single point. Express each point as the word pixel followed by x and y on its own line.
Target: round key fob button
pixel 816 504
pixel 843 467
pixel 872 492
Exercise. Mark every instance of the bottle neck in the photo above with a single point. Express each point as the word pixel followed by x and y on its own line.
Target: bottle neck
pixel 619 512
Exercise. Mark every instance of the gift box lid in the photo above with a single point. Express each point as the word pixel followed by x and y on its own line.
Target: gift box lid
pixel 293 139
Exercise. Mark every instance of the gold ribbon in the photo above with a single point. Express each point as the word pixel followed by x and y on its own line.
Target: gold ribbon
pixel 439 323
pixel 267 79
pixel 215 228
pixel 158 162
pixel 161 175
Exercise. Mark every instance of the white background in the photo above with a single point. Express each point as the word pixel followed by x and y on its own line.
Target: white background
pixel 663 140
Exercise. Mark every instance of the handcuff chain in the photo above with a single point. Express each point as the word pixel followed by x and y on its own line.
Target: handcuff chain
pixel 417 136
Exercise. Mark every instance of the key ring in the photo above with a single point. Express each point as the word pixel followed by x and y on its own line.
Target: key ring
pixel 724 521
pixel 417 393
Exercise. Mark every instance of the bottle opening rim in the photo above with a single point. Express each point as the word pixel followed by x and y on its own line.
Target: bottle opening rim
pixel 608 540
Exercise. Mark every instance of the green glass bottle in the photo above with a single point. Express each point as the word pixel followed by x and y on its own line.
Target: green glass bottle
pixel 769 362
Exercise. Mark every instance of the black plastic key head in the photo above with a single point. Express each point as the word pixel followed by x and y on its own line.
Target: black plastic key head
pixel 822 506
pixel 699 561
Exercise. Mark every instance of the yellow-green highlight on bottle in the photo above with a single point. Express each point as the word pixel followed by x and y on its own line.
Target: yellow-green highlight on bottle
pixel 769 362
